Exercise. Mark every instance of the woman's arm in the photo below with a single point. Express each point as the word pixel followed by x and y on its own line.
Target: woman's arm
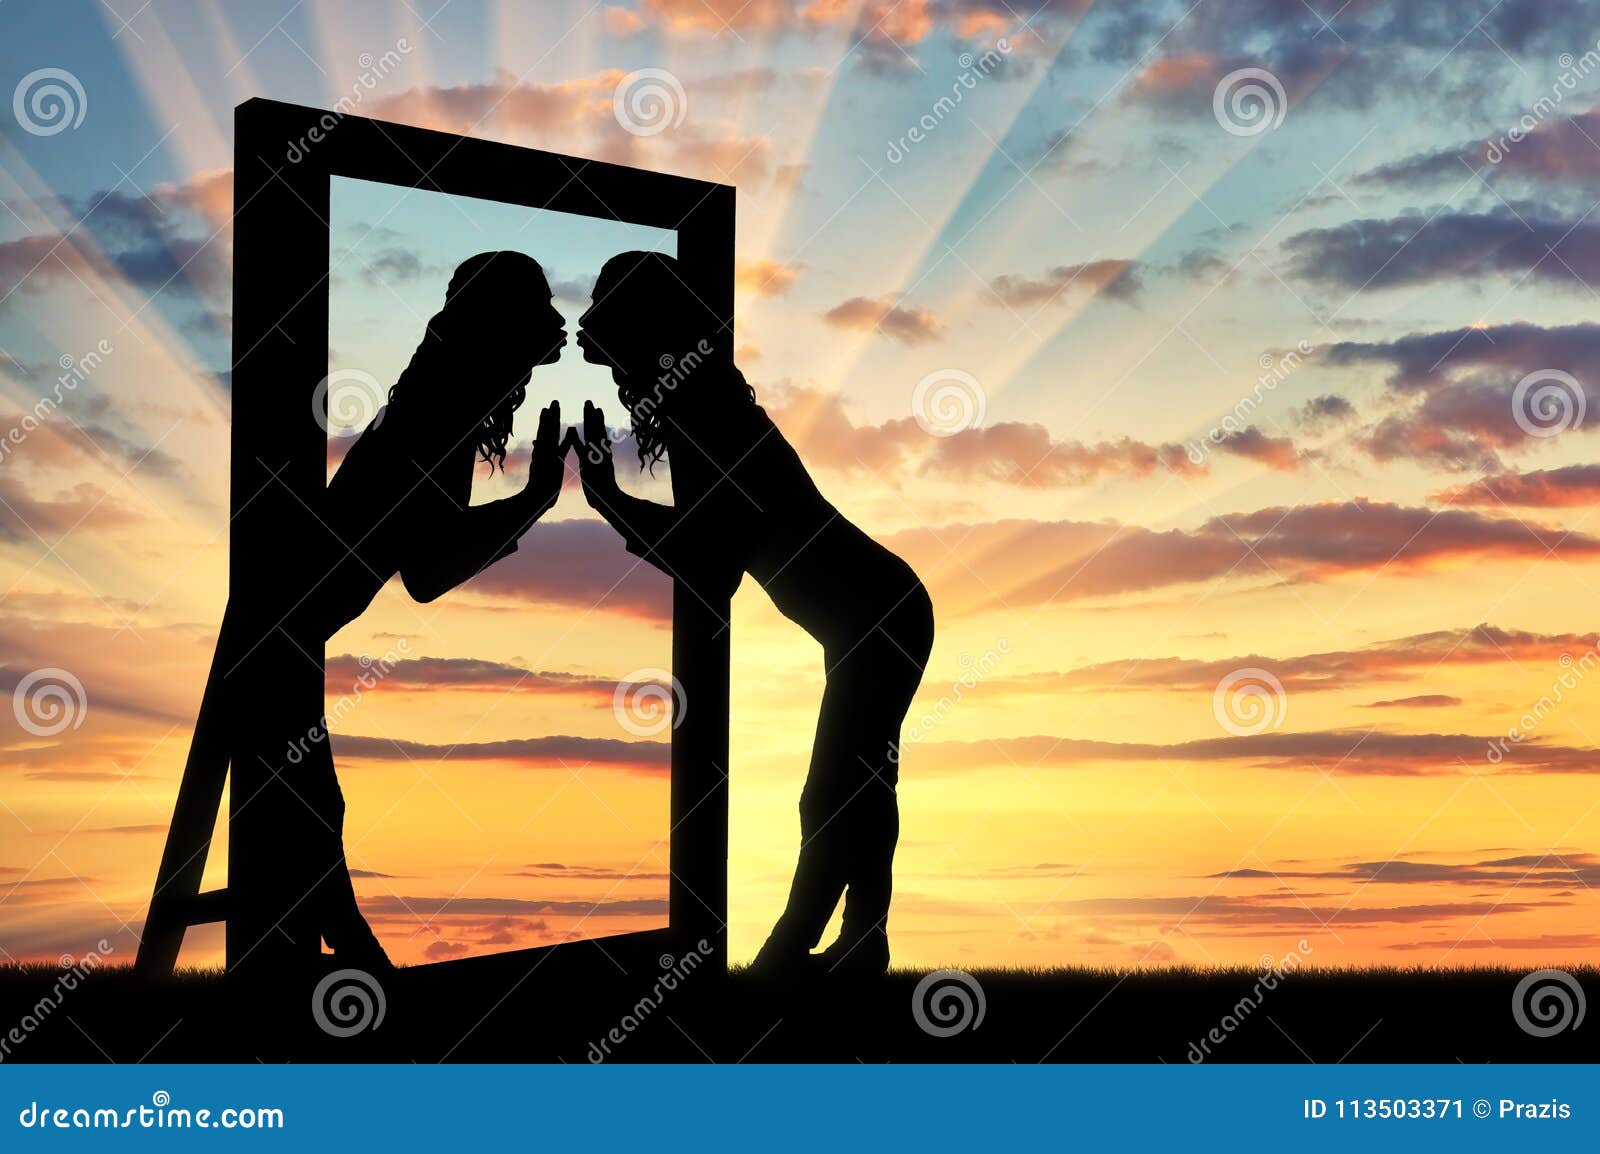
pixel 658 533
pixel 460 543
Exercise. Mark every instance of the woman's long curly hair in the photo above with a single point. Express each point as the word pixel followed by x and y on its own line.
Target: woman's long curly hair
pixel 469 336
pixel 677 332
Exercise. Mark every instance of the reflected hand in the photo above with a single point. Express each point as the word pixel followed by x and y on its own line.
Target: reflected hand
pixel 545 472
pixel 595 465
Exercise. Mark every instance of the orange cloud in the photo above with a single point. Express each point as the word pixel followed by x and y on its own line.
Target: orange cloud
pixel 578 563
pixel 1396 660
pixel 622 21
pixel 714 16
pixel 909 326
pixel 558 752
pixel 1177 72
pixel 1566 487
pixel 1026 455
pixel 1020 562
pixel 580 115
pixel 1277 453
pixel 1354 751
pixel 768 278
pixel 1010 452
pixel 1118 279
pixel 461 674
pixel 977 22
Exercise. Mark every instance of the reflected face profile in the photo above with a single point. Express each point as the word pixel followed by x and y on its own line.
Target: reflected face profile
pixel 501 304
pixel 548 328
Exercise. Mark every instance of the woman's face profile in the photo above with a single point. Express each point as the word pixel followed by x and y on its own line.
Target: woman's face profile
pixel 630 321
pixel 600 334
pixel 506 320
pixel 548 328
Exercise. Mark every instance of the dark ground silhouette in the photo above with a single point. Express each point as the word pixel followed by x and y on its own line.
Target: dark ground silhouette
pixel 565 1013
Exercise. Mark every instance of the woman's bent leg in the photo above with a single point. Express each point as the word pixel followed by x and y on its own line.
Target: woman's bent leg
pixel 343 926
pixel 887 672
pixel 823 868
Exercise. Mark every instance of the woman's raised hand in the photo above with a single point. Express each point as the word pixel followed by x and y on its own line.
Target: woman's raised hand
pixel 545 471
pixel 594 463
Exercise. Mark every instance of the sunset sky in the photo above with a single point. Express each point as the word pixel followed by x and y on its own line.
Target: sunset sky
pixel 1243 444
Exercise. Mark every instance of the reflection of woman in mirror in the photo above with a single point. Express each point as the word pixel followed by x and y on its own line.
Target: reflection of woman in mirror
pixel 399 502
pixel 745 504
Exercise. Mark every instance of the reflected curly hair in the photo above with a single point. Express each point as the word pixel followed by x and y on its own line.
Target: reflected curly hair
pixel 468 335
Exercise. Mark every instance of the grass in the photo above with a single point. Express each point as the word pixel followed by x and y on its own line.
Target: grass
pixel 504 1011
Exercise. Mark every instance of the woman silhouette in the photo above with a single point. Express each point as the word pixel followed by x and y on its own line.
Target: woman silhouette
pixel 745 504
pixel 399 502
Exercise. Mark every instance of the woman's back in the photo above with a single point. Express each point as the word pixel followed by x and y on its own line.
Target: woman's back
pixel 749 500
